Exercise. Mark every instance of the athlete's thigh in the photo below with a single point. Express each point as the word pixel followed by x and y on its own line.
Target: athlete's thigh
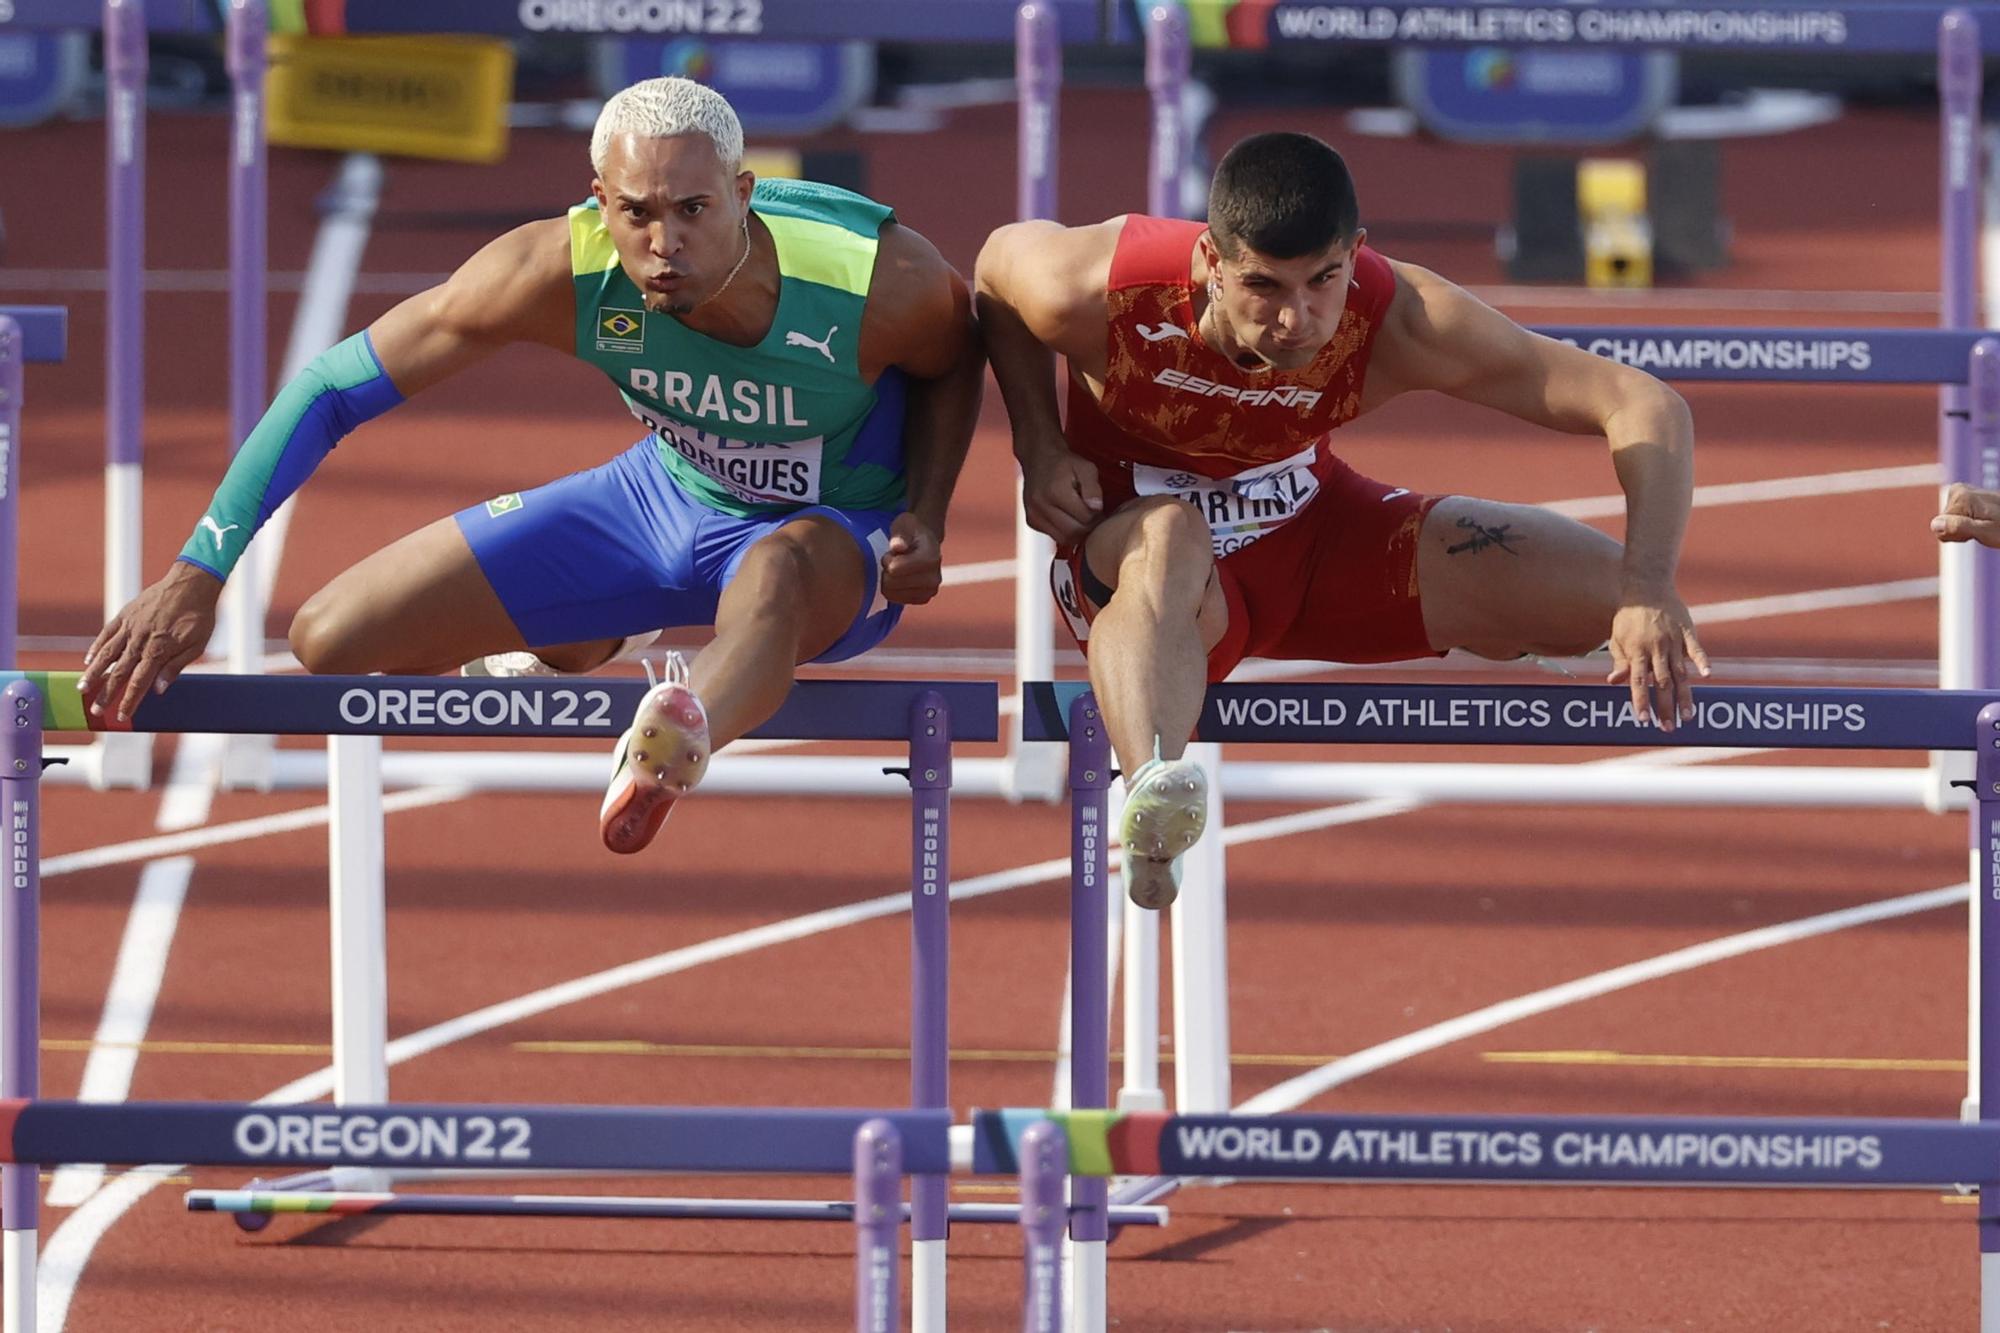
pixel 1339 582
pixel 420 603
pixel 1505 579
pixel 822 565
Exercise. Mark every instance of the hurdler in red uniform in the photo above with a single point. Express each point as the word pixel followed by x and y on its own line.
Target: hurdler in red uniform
pixel 1314 560
pixel 1203 516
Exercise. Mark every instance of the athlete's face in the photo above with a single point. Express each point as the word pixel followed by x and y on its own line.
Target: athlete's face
pixel 676 215
pixel 1281 312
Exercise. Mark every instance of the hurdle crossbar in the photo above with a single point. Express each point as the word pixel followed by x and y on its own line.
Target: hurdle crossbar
pixel 1511 1149
pixel 850 710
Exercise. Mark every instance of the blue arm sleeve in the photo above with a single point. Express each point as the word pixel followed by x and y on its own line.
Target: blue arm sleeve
pixel 341 388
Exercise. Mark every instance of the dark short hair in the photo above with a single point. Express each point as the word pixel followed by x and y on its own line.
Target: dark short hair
pixel 1282 194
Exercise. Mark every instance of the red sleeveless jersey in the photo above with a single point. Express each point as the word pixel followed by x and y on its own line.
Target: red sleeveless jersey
pixel 1173 403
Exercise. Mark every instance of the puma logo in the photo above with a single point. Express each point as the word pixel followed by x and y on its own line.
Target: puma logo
pixel 216 528
pixel 820 345
pixel 1162 333
pixel 1395 494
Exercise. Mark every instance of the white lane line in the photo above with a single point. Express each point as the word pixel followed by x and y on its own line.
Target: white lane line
pixel 1775 488
pixel 983 571
pixel 1613 506
pixel 241 830
pixel 141 964
pixel 1705 615
pixel 128 1009
pixel 1294 1092
pixel 1825 599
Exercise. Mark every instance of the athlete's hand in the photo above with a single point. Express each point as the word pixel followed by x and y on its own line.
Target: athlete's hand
pixel 913 566
pixel 1062 495
pixel 148 644
pixel 1654 649
pixel 1969 514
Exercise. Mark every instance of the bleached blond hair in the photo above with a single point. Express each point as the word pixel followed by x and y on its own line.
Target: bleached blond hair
pixel 659 108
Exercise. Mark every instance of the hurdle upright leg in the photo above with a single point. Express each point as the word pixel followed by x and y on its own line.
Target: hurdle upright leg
pixel 21 996
pixel 1983 574
pixel 1044 1154
pixel 13 353
pixel 1090 1018
pixel 1986 969
pixel 930 989
pixel 878 1216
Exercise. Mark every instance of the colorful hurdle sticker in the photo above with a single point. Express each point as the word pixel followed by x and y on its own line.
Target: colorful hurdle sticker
pixel 1101 1143
pixel 62 706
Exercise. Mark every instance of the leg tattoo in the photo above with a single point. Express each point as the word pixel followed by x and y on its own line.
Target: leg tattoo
pixel 1482 537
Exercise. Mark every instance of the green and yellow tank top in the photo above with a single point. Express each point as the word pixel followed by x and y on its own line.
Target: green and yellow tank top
pixel 753 430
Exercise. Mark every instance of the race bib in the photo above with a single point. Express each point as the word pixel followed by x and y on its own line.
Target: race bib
pixel 1242 508
pixel 755 473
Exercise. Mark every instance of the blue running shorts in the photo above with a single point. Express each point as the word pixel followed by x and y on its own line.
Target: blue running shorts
pixel 621 548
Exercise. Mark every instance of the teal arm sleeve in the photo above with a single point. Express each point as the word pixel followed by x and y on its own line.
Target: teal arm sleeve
pixel 342 387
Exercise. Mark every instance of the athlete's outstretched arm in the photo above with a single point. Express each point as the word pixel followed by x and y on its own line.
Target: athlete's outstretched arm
pixel 919 320
pixel 1039 291
pixel 1438 336
pixel 515 289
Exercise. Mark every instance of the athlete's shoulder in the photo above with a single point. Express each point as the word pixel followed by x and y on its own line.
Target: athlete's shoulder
pixel 1153 251
pixel 509 288
pixel 815 201
pixel 919 311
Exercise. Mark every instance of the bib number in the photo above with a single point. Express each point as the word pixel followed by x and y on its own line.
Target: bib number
pixel 1242 508
pixel 789 473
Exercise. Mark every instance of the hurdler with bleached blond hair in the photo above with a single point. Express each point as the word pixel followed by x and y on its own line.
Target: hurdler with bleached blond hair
pixel 807 373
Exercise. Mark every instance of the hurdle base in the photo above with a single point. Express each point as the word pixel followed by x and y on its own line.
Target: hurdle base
pixel 21 1247
pixel 1138 1191
pixel 1088 1294
pixel 927 1284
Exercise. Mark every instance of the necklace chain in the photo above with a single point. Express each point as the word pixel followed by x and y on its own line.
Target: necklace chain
pixel 741 260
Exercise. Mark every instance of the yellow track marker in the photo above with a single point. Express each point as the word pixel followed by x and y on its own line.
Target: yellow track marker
pixel 1855 1064
pixel 745 1052
pixel 75 1045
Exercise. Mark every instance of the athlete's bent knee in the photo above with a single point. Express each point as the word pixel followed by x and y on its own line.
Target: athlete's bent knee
pixel 780 572
pixel 1171 534
pixel 324 638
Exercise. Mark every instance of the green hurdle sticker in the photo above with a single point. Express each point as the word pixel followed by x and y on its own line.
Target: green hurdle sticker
pixel 503 504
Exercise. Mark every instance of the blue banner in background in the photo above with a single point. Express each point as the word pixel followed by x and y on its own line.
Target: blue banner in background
pixel 776 87
pixel 1495 94
pixel 39 74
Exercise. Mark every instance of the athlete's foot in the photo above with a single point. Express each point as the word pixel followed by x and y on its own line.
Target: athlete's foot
pixel 529 664
pixel 660 758
pixel 1166 808
pixel 508 665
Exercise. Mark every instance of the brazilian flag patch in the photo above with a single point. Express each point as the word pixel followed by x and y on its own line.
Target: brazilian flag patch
pixel 503 504
pixel 620 330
